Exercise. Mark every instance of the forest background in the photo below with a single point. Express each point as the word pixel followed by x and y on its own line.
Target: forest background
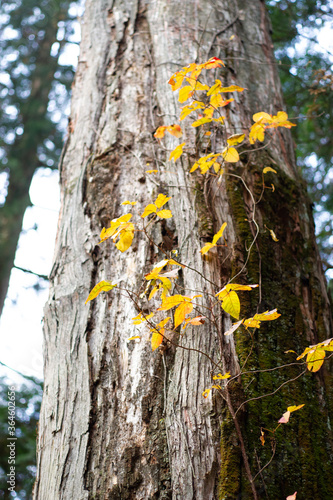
pixel 36 72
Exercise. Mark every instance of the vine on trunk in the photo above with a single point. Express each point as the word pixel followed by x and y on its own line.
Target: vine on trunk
pixel 207 102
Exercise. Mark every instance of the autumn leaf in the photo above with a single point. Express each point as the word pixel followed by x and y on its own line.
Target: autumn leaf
pixel 232 88
pixel 176 80
pixel 182 310
pixel 255 321
pixel 150 209
pixel 185 93
pixel 217 236
pixel 102 286
pixel 151 171
pixel 235 139
pixel 257 132
pixel 125 238
pixel 213 62
pixel 170 302
pixel 230 155
pixel 140 318
pixel 315 360
pixel 133 338
pixel 201 121
pixel 206 393
pixel 198 320
pixel 269 169
pixel 187 110
pixel 175 130
pixel 158 332
pixel 206 248
pixel 285 417
pixel 159 134
pixel 229 297
pixel 161 200
pixel 234 327
pixel 273 235
pixel 177 152
pixel 262 437
pixel 219 376
pixel 129 202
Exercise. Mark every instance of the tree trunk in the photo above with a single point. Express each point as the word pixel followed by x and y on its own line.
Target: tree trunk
pixel 119 421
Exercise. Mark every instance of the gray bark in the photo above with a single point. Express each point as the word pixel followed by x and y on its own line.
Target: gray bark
pixel 117 420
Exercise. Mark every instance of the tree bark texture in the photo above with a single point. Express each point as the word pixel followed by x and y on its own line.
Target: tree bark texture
pixel 119 421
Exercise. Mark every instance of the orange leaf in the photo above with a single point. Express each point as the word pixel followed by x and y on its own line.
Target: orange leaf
pixel 213 62
pixel 182 310
pixel 156 340
pixel 159 134
pixel 175 130
pixel 198 320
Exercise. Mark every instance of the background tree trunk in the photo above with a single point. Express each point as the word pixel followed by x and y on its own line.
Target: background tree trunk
pixel 121 422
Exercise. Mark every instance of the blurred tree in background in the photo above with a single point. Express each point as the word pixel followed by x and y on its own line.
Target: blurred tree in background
pixel 28 399
pixel 32 82
pixel 306 74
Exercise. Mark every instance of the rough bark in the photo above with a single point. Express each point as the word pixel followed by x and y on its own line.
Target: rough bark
pixel 119 421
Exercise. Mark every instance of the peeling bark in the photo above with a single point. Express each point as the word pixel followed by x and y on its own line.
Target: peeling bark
pixel 119 421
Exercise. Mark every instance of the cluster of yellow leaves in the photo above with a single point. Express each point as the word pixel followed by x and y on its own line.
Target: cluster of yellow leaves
pixel 264 121
pixel 155 276
pixel 229 298
pixel 217 236
pixel 153 208
pixel 182 302
pixel 315 354
pixel 191 72
pixel 120 228
pixel 255 321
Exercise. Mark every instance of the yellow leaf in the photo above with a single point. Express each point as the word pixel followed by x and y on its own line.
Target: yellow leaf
pixel 219 376
pixel 150 209
pixel 216 166
pixel 257 132
pixel 129 202
pixel 161 200
pixel 294 408
pixel 232 88
pixel 185 93
pixel 175 130
pixel 201 121
pixel 156 340
pixel 170 302
pixel 114 225
pixel 273 235
pixel 315 359
pixel 153 291
pixel 262 117
pixel 230 154
pixel 231 304
pixel 215 89
pixel 234 327
pixel 262 437
pixel 186 110
pixel 176 80
pixel 133 338
pixel 164 214
pixel 125 240
pixel 216 387
pixel 140 318
pixel 102 286
pixel 196 85
pixel 235 139
pixel 268 169
pixel 206 393
pixel 159 134
pixel 219 234
pixel 206 248
pixel 268 315
pixel 182 310
pixel 151 171
pixel 177 152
